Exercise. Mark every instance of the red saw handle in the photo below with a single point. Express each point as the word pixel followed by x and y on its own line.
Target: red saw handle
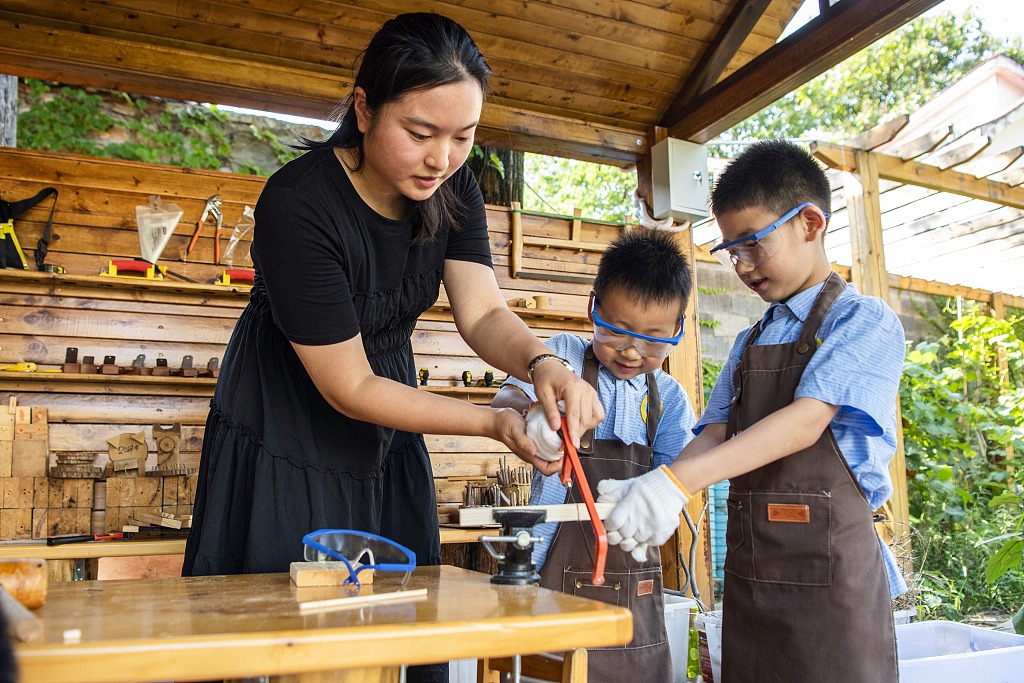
pixel 571 465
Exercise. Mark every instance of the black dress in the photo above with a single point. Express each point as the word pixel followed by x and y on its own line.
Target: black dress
pixel 278 461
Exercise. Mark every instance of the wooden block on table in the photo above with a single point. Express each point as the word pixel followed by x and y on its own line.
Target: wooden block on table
pixel 324 574
pixel 158 520
pixel 6 458
pixel 568 512
pixel 45 523
pixel 40 415
pixel 30 458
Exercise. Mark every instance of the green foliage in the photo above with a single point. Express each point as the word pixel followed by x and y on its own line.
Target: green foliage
pixel 958 420
pixel 64 119
pixel 893 76
pixel 558 185
pixel 709 375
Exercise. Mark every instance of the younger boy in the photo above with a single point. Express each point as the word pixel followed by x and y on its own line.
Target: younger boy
pixel 802 422
pixel 640 293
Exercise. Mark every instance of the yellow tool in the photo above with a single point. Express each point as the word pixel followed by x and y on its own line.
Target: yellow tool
pixel 26 366
pixel 7 235
pixel 19 367
pixel 135 269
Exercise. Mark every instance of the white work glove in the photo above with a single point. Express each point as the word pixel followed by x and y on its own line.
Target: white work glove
pixel 646 512
pixel 549 443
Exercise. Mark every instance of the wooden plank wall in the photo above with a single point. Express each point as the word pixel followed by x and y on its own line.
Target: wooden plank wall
pixel 43 314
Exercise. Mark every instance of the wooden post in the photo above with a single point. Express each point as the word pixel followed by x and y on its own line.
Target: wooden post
pixel 999 311
pixel 871 278
pixel 684 365
pixel 8 111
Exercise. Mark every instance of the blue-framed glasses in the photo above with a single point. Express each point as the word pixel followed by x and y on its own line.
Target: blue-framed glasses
pixel 621 339
pixel 358 551
pixel 753 250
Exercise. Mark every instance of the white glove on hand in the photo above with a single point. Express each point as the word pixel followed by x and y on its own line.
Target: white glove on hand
pixel 549 443
pixel 646 512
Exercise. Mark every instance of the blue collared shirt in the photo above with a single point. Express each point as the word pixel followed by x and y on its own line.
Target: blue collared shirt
pixel 857 367
pixel 625 409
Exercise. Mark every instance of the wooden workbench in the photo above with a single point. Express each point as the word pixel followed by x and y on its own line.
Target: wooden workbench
pixel 203 628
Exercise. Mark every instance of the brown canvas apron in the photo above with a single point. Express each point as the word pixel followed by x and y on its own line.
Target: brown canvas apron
pixel 628 583
pixel 806 594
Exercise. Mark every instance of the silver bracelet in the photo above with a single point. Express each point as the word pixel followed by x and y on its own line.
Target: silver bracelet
pixel 543 357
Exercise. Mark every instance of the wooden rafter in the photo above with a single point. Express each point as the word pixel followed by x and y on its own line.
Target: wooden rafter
pixel 917 173
pixel 825 41
pixel 716 58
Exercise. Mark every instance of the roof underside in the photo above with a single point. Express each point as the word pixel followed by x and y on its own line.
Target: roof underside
pixel 586 79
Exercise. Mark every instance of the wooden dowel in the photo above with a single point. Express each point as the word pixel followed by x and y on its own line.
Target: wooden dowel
pixel 21 623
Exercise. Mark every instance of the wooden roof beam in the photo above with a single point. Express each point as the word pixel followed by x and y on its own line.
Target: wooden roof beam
pixel 846 28
pixel 923 175
pixel 66 55
pixel 740 22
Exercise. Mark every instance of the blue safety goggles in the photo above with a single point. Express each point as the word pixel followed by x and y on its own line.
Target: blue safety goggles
pixel 753 250
pixel 358 551
pixel 621 339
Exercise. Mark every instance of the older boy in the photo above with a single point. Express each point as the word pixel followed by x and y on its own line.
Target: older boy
pixel 643 283
pixel 802 421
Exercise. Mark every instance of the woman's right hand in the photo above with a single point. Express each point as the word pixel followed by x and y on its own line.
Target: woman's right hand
pixel 510 428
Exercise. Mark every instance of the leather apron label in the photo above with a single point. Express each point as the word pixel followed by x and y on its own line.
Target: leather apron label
pixel 645 587
pixel 779 512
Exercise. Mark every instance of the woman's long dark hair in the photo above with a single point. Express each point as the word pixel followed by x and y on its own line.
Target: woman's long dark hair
pixel 415 51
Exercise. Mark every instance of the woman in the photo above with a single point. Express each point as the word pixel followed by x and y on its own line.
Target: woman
pixel 316 421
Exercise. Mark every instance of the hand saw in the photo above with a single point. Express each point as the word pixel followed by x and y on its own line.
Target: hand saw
pixel 571 465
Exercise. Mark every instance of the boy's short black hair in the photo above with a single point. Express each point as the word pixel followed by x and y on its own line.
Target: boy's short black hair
pixel 774 175
pixel 648 265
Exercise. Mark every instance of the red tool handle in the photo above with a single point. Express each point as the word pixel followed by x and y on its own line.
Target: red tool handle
pixel 570 466
pixel 195 238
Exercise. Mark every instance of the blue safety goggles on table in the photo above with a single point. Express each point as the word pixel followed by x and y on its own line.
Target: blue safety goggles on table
pixel 358 551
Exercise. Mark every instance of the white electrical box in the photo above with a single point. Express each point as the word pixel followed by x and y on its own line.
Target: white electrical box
pixel 680 180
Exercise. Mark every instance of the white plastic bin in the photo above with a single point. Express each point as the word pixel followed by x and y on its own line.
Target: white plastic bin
pixel 677 625
pixel 947 652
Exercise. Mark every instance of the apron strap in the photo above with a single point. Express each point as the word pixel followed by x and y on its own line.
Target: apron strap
pixel 654 408
pixel 834 286
pixel 590 371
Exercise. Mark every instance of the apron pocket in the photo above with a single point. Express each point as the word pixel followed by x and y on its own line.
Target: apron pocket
pixel 781 537
pixel 613 592
pixel 639 590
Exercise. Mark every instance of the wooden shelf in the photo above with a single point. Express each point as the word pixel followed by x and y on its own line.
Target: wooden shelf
pixel 57 280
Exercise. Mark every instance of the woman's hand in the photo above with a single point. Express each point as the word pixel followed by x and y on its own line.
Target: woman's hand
pixel 553 382
pixel 510 429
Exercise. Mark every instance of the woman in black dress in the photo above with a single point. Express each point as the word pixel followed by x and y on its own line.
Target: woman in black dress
pixel 316 421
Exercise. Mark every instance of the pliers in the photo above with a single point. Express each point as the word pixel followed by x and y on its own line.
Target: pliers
pixel 212 207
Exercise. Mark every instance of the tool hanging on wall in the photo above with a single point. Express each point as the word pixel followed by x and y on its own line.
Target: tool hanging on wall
pixel 424 376
pixel 11 254
pixel 212 208
pixel 156 222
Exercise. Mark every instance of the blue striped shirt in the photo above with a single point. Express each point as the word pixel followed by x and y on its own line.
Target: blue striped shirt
pixel 625 408
pixel 857 367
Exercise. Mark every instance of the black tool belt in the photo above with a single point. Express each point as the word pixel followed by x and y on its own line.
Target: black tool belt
pixel 11 255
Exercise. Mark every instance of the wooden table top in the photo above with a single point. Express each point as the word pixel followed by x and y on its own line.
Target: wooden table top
pixel 201 628
pixel 170 546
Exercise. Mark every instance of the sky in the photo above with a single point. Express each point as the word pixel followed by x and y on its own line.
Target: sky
pixel 1004 18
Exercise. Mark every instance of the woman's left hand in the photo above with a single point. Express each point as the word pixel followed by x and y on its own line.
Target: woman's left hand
pixel 510 426
pixel 553 382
